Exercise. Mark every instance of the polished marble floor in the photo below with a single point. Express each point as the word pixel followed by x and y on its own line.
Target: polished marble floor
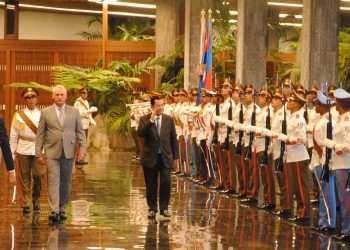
pixel 108 211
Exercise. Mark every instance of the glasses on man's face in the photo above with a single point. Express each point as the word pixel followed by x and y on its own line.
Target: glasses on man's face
pixel 84 93
pixel 30 97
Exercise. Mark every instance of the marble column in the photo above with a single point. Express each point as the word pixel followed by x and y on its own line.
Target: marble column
pixel 319 42
pixel 166 30
pixel 192 39
pixel 251 42
pixel 272 34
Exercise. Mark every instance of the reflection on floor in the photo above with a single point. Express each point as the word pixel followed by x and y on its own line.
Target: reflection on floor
pixel 108 211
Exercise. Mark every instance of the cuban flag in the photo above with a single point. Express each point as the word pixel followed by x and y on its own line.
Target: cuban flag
pixel 206 55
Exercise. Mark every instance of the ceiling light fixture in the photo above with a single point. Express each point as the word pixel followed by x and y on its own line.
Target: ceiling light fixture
pixel 292 24
pixel 345 8
pixel 127 4
pixel 115 13
pixel 294 5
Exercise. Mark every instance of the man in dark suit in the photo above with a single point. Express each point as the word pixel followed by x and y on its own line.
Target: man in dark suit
pixel 160 149
pixel 6 152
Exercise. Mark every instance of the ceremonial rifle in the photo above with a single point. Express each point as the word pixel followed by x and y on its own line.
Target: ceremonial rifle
pixel 240 133
pixel 280 161
pixel 229 129
pixel 216 128
pixel 264 160
pixel 325 169
pixel 252 133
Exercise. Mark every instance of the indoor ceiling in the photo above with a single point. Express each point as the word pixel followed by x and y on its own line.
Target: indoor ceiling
pixel 290 9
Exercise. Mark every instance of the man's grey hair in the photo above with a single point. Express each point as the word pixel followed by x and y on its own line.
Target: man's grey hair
pixel 58 88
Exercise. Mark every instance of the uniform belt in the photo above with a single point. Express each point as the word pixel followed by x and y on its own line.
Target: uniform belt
pixel 24 138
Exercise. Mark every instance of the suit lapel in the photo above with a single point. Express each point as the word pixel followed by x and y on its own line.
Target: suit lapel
pixel 55 115
pixel 162 125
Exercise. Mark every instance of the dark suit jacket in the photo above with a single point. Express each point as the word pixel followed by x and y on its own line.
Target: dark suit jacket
pixel 166 142
pixel 5 146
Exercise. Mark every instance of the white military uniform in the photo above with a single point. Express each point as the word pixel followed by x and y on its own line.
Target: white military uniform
pixel 224 108
pixel 320 135
pixel 296 131
pixel 276 127
pixel 313 117
pixel 22 138
pixel 248 121
pixel 261 116
pixel 85 112
pixel 235 122
pixel 339 143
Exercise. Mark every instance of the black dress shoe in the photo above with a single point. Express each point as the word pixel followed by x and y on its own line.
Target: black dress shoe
pixel 213 187
pixel 293 218
pixel 165 213
pixel 26 210
pixel 54 217
pixel 151 214
pixel 248 200
pixel 342 237
pixel 305 221
pixel 328 230
pixel 284 213
pixel 36 206
pixel 63 216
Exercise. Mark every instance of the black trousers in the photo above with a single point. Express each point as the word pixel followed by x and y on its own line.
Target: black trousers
pixel 151 180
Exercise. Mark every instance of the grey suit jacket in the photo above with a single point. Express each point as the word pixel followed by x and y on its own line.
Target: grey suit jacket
pixel 167 141
pixel 55 139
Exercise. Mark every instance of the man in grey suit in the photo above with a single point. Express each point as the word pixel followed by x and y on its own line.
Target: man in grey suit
pixel 160 149
pixel 59 133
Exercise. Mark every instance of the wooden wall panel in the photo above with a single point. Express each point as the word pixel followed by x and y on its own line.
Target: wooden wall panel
pixel 33 66
pixel 2 76
pixel 83 59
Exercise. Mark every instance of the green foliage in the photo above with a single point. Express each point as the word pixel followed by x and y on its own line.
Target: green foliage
pixel 224 42
pixel 118 120
pixel 36 85
pixel 131 29
pixel 134 32
pixel 344 58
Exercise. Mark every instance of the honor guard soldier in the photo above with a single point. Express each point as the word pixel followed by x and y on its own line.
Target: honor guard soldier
pixel 82 104
pixel 226 108
pixel 278 118
pixel 320 165
pixel 22 141
pixel 312 118
pixel 297 158
pixel 237 139
pixel 263 149
pixel 340 163
pixel 250 161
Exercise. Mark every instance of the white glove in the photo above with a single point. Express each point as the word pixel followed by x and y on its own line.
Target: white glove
pixel 329 143
pixel 266 132
pixel 229 123
pixel 218 119
pixel 93 109
pixel 282 137
pixel 341 148
pixel 239 127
